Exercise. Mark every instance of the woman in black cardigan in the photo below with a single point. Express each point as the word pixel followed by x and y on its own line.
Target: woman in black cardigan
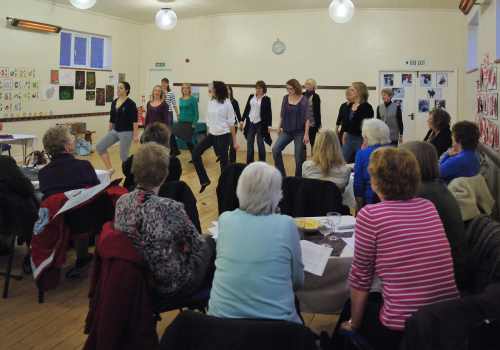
pixel 351 125
pixel 439 133
pixel 314 109
pixel 258 118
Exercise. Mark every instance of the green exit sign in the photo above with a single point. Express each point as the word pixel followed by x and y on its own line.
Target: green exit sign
pixel 160 65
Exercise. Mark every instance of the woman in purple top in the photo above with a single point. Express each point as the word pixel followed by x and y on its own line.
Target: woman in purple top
pixel 157 109
pixel 294 126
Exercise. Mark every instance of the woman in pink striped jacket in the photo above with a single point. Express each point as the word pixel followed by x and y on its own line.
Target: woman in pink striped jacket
pixel 403 242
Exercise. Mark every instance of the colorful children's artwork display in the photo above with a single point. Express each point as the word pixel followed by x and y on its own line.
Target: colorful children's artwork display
pixel 19 87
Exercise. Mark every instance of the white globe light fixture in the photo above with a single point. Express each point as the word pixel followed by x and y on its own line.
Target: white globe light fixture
pixel 341 11
pixel 83 4
pixel 166 19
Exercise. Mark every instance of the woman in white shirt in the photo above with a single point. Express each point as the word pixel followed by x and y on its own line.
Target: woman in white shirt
pixel 221 131
pixel 258 118
pixel 327 161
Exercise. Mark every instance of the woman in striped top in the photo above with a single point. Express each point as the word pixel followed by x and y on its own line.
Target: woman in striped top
pixel 402 241
pixel 172 105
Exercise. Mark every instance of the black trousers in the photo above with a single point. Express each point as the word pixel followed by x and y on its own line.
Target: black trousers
pixel 174 149
pixel 232 151
pixel 312 135
pixel 221 147
pixel 255 131
pixel 378 336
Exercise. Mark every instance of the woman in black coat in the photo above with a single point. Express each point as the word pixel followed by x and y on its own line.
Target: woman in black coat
pixel 439 133
pixel 18 206
pixel 359 110
pixel 258 118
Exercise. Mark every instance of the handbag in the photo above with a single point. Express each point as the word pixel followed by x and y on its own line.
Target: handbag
pixel 83 147
pixel 36 158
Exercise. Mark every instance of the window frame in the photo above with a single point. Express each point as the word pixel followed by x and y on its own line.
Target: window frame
pixel 106 51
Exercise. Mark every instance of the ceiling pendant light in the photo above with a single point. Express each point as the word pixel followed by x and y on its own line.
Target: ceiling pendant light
pixel 341 11
pixel 83 4
pixel 166 19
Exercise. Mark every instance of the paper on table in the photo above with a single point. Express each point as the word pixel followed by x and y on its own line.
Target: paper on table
pixel 314 257
pixel 77 197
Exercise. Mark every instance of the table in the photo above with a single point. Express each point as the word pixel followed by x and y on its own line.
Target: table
pixel 327 294
pixel 102 175
pixel 20 139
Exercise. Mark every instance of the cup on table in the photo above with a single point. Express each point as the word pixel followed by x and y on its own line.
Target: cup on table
pixel 334 219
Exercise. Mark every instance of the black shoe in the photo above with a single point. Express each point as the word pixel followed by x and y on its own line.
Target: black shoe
pixel 81 266
pixel 204 186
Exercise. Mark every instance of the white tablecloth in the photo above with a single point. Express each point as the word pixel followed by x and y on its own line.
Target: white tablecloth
pixel 328 293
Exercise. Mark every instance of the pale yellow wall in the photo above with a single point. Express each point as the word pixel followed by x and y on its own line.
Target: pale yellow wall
pixel 237 49
pixel 41 51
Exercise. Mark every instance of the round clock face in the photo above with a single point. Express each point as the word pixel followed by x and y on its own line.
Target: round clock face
pixel 279 47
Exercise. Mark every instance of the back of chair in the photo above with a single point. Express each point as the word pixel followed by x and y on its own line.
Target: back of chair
pixel 310 197
pixel 192 330
pixel 483 243
pixel 181 192
pixel 121 314
pixel 226 187
pixel 468 323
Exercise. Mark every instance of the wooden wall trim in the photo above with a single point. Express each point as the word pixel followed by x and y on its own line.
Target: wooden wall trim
pixel 87 69
pixel 471 70
pixel 274 86
pixel 55 116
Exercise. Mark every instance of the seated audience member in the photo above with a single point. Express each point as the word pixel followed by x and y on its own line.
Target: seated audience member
pixel 64 173
pixel 402 240
pixel 375 134
pixel 435 190
pixel 439 133
pixel 159 133
pixel 176 254
pixel 18 205
pixel 327 161
pixel 462 159
pixel 259 262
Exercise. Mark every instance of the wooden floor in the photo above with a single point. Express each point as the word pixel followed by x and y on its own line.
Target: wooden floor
pixel 58 323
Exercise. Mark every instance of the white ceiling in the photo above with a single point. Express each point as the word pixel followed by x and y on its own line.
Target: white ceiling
pixel 143 11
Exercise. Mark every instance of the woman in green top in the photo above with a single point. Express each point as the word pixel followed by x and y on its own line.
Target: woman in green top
pixel 188 117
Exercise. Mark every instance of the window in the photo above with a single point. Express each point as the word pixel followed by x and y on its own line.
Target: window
pixel 472 62
pixel 79 50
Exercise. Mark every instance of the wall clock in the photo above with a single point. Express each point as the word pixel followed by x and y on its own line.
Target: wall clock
pixel 279 47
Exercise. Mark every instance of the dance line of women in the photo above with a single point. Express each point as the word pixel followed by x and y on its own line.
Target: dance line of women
pixel 300 121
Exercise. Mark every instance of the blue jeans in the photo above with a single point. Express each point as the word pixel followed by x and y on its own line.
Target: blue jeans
pixel 255 131
pixel 283 140
pixel 352 145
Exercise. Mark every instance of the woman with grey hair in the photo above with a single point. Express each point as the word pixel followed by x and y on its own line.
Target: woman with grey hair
pixel 64 173
pixel 259 262
pixel 156 132
pixel 375 134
